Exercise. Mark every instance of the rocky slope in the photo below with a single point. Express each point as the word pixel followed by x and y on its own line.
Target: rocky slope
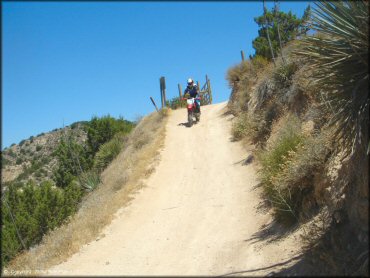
pixel 33 158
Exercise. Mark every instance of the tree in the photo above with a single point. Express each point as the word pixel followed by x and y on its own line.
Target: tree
pixel 101 130
pixel 73 159
pixel 290 27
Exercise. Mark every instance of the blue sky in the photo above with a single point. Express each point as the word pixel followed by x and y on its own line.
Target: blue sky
pixel 68 61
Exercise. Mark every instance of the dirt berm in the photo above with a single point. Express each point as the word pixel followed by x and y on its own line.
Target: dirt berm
pixel 200 213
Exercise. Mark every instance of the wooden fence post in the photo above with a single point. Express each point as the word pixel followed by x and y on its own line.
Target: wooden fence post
pixel 242 52
pixel 180 91
pixel 209 90
pixel 161 89
pixel 162 83
pixel 156 108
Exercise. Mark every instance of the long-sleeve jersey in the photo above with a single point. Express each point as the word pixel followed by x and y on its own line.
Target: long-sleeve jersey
pixel 193 91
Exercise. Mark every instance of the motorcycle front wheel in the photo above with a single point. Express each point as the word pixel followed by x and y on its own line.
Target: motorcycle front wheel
pixel 190 119
pixel 197 117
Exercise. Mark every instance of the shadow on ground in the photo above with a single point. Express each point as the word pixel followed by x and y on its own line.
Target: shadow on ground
pixel 229 114
pixel 272 273
pixel 246 161
pixel 186 124
pixel 271 232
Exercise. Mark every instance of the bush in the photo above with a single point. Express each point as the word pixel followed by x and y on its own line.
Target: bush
pixel 107 152
pixel 45 160
pixel 35 209
pixel 241 71
pixel 19 161
pixel 38 174
pixel 175 103
pixel 283 74
pixel 73 159
pixel 101 130
pixel 240 128
pixel 11 153
pixel 4 161
pixel 259 62
pixel 38 148
pixel 273 161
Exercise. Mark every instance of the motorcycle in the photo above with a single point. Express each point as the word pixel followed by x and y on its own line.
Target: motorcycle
pixel 193 107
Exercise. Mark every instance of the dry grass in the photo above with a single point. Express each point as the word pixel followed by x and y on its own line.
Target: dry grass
pixel 242 79
pixel 120 180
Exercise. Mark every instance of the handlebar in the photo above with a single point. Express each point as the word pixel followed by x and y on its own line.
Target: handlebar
pixel 198 98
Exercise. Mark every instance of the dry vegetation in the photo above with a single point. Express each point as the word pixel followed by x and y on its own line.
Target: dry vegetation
pixel 304 174
pixel 120 180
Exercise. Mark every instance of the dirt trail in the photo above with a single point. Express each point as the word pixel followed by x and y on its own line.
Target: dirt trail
pixel 198 215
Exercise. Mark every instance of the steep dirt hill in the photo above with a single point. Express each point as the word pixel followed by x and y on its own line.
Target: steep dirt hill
pixel 199 214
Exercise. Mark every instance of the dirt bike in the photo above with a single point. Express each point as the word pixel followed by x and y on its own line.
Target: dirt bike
pixel 193 110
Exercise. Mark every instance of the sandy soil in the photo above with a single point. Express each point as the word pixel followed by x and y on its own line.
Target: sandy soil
pixel 199 214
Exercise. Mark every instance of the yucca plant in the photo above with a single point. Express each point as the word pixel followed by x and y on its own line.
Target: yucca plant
pixel 338 56
pixel 89 180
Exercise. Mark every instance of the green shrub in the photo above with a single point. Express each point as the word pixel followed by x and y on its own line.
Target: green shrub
pixel 175 103
pixel 273 160
pixel 18 161
pixel 35 209
pixel 45 160
pixel 4 161
pixel 240 128
pixel 38 148
pixel 107 152
pixel 73 159
pixel 101 130
pixel 38 174
pixel 283 74
pixel 11 153
pixel 259 62
pixel 22 142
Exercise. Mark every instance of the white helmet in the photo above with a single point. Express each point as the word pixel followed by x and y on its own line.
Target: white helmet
pixel 190 81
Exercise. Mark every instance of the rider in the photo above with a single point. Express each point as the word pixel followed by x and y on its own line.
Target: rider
pixel 193 90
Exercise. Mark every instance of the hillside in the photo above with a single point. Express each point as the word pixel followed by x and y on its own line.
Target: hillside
pixel 306 173
pixel 33 158
pixel 46 177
